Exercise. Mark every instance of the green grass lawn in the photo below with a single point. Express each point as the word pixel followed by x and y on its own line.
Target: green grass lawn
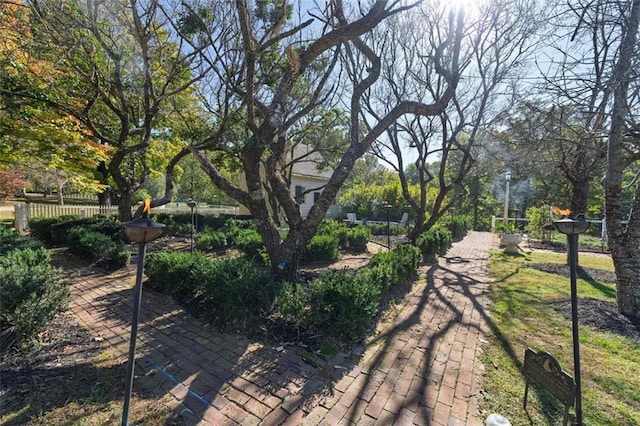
pixel 522 316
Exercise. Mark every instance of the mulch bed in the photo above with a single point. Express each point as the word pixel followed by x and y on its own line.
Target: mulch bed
pixel 599 314
pixel 602 316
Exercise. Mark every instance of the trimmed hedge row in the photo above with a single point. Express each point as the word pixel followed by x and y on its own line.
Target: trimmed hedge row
pixel 438 239
pixel 354 239
pixel 98 236
pixel 434 241
pixel 180 223
pixel 10 240
pixel 101 248
pixel 55 231
pixel 31 291
pixel 458 225
pixel 323 246
pixel 232 291
pixel 381 229
pixel 228 291
pixel 344 303
pixel 211 240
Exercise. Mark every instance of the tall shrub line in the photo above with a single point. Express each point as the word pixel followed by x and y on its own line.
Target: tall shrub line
pixel 31 290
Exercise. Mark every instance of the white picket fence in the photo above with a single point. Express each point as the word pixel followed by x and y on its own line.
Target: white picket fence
pixel 23 212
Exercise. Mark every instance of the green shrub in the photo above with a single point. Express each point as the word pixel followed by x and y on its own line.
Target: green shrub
pixel 56 230
pixel 322 247
pixel 357 238
pixel 11 240
pixel 176 273
pixel 537 217
pixel 211 240
pixel 81 240
pixel 434 241
pixel 506 228
pixel 343 304
pixel 31 292
pixel 174 224
pixel 457 225
pixel 60 231
pixel 100 247
pixel 342 234
pixel 330 227
pixel 180 223
pixel 381 229
pixel 404 261
pixel 407 259
pixel 250 242
pixel 230 290
pixel 291 302
pixel 118 255
pixel 234 227
pixel 39 227
pixel 234 290
pixel 383 274
pixel 106 226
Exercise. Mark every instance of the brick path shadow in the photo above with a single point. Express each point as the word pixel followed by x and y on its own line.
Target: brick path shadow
pixel 423 367
pixel 428 382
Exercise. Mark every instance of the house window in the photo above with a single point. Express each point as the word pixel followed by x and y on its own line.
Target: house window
pixel 316 196
pixel 300 194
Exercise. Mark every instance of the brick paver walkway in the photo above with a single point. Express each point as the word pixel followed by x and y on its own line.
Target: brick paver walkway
pixel 420 367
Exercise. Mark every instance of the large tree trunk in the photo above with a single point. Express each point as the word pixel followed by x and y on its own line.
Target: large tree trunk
pixel 124 206
pixel 624 241
pixel 579 196
pixel 626 259
pixel 104 198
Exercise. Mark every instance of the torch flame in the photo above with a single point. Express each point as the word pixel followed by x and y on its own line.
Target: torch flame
pixel 561 212
pixel 147 206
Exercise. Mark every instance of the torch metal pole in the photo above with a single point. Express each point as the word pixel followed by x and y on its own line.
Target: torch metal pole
pixel 137 299
pixel 573 262
pixel 192 225
pixel 388 232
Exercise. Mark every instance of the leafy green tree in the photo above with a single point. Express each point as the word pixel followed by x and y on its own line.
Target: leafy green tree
pixel 368 200
pixel 121 73
pixel 368 171
pixel 550 144
pixel 39 141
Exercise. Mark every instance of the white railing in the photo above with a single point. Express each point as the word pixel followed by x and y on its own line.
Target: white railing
pixel 23 212
pixel 53 210
pixel 201 209
pixel 594 223
pixel 76 195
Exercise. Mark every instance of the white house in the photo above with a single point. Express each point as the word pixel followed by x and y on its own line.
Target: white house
pixel 307 179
